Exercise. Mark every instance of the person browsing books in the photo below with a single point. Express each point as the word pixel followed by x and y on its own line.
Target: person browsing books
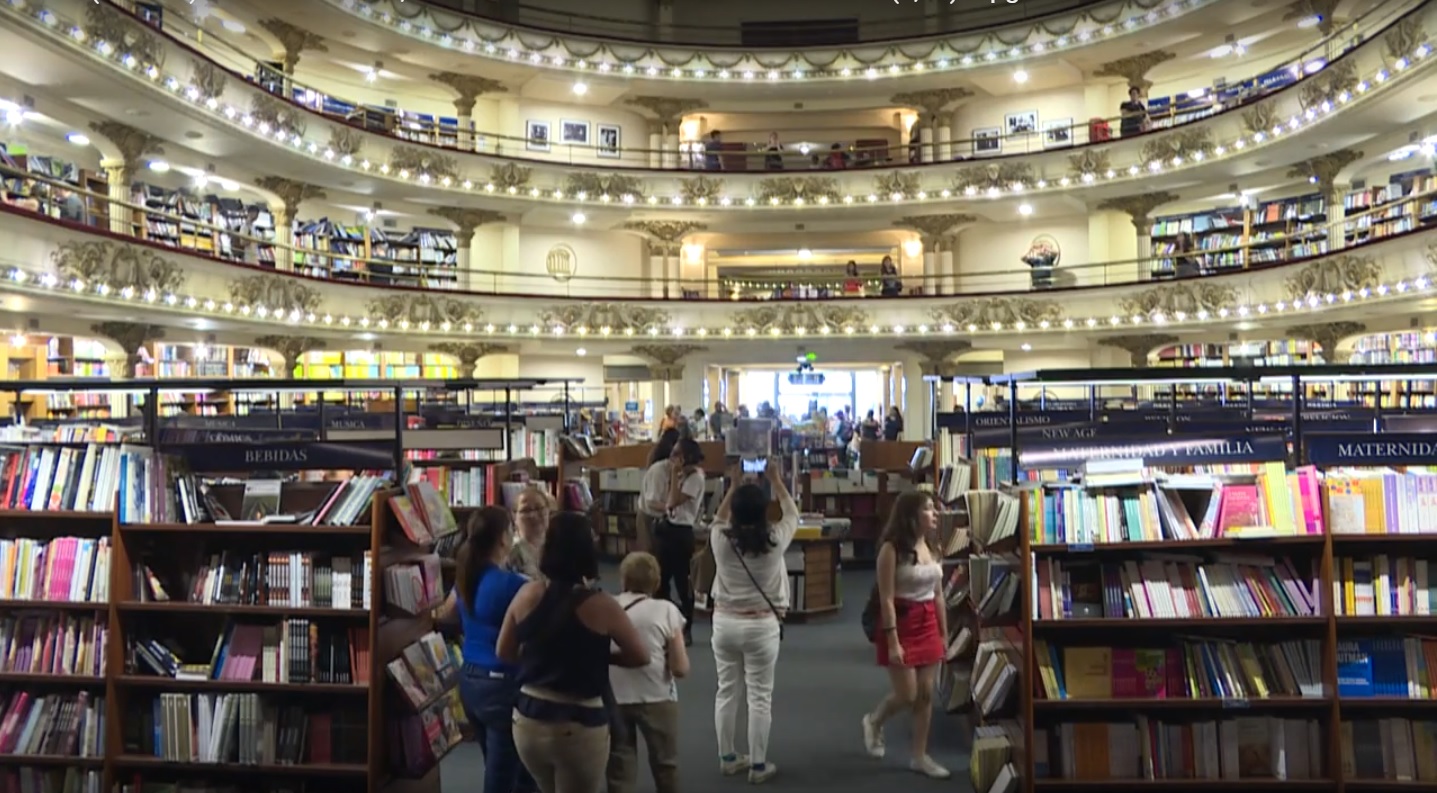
pixel 654 489
pixel 647 697
pixel 533 509
pixel 483 590
pixel 912 624
pixel 750 596
pixel 558 632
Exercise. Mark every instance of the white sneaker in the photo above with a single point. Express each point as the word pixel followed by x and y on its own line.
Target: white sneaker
pixel 872 737
pixel 928 767
pixel 757 777
pixel 738 765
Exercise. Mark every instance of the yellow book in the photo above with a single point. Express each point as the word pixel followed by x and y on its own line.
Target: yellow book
pixel 1373 505
pixel 1349 589
pixel 1088 672
pixel 1046 670
pixel 1252 670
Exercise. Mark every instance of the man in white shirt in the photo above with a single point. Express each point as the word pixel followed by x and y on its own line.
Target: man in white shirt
pixel 647 696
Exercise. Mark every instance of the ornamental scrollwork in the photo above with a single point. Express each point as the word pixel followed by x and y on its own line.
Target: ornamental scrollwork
pixel 594 185
pixel 275 292
pixel 1327 87
pixel 207 78
pixel 800 318
pixel 1176 300
pixel 792 189
pixel 126 269
pixel 1404 38
pixel 422 161
pixel 999 312
pixel 425 311
pixel 103 22
pixel 345 140
pixel 1187 144
pixel 701 189
pixel 510 176
pixel 1261 117
pixel 899 183
pixel 271 115
pixel 1090 162
pixel 1001 176
pixel 603 318
pixel 1334 275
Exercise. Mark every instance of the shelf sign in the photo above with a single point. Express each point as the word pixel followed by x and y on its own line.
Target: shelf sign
pixel 1364 450
pixel 1167 450
pixel 285 456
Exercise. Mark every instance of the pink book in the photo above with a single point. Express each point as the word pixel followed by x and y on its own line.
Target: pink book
pixel 1150 673
pixel 1125 674
pixel 1241 509
pixel 1309 491
pixel 16 711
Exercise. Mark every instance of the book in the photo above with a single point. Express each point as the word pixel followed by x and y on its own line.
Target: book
pixel 1383 585
pixel 414 586
pixel 288 651
pixel 63 644
pixel 1248 747
pixel 244 728
pixel 52 724
pixel 261 499
pixel 72 569
pixel 1396 749
pixel 1228 586
pixel 276 578
pixel 1190 670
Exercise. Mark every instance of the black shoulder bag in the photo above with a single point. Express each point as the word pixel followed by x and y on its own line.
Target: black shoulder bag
pixel 778 615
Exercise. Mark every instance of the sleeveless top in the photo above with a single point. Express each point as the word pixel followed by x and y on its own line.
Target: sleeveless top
pixel 557 651
pixel 917 582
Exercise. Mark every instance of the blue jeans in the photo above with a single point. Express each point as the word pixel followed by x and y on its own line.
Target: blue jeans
pixel 489 704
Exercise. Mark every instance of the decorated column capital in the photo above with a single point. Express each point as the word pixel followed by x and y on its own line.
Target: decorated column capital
pixel 1140 346
pixel 469 87
pixel 467 221
pixel 935 357
pixel 1139 208
pixel 469 353
pixel 294 40
pixel 1324 171
pixel 668 110
pixel 290 348
pixel 131 337
pixel 664 359
pixel 932 103
pixel 1135 68
pixel 936 230
pixel 665 236
pixel 134 144
pixel 290 192
pixel 1327 335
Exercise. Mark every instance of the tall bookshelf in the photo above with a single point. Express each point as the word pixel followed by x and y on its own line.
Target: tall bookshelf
pixel 1238 237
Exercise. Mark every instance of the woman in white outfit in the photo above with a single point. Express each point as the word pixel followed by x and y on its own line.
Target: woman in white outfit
pixel 750 595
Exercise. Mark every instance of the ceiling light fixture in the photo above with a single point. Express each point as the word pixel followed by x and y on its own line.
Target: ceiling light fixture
pixel 373 212
pixel 579 218
pixel 805 254
pixel 581 88
pixel 581 352
pixel 1025 347
pixel 232 25
pixel 1025 209
pixel 1230 46
pixel 159 166
pixel 1020 77
pixel 1308 23
pixel 78 138
pixel 372 73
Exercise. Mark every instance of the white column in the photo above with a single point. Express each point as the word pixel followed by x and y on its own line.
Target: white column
pixel 466 132
pixel 283 238
pixel 666 21
pixel 925 141
pixel 465 274
pixel 945 395
pixel 656 144
pixel 915 402
pixel 688 390
pixel 1336 218
pixel 658 269
pixel 930 269
pixel 948 274
pixel 671 150
pixel 117 184
pixel 945 145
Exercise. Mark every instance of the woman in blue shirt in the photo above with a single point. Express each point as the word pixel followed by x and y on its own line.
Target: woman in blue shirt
pixel 483 587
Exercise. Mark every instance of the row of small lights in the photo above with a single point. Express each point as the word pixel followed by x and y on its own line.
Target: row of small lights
pixel 49 282
pixel 498 50
pixel 235 115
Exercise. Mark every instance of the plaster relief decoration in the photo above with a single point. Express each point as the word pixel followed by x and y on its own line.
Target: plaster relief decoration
pixel 1261 117
pixel 509 177
pixel 104 22
pixel 131 338
pixel 583 185
pixel 1089 164
pixel 800 318
pixel 701 189
pixel 1187 144
pixel 1328 335
pixel 1336 276
pixel 665 235
pixel 1327 87
pixel 290 348
pixel 207 78
pixel 1179 301
pixel 125 270
pixel 271 115
pixel 935 358
pixel 604 319
pixel 1000 312
pixel 408 160
pixel 561 263
pixel 1135 68
pixel 668 111
pixel 936 230
pixel 275 293
pixel 897 184
pixel 345 140
pixel 664 359
pixel 1404 38
pixel 424 311
pixel 977 179
pixel 1139 347
pixel 469 352
pixel 798 190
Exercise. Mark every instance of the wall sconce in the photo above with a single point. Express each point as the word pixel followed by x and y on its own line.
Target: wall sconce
pixel 689 129
pixel 913 248
pixel 693 253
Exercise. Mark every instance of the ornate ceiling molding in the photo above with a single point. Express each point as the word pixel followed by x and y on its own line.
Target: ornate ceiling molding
pixel 1180 300
pixel 665 236
pixel 1325 171
pixel 469 353
pixel 276 293
pixel 127 270
pixel 993 179
pixel 104 22
pixel 664 359
pixel 668 111
pixel 1187 144
pixel 935 357
pixel 469 88
pixel 605 319
pixel 1139 346
pixel 134 145
pixel 798 190
pixel 1339 275
pixel 466 221
pixel 1003 312
pixel 597 185
pixel 931 103
pixel 291 193
pixel 290 348
pixel 1139 208
pixel 132 338
pixel 294 40
pixel 935 229
pixel 418 310
pixel 1135 68
pixel 800 318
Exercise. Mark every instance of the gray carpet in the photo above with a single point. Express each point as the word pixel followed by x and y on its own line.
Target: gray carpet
pixel 826 680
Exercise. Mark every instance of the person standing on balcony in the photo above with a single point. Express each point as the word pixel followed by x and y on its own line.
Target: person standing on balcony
pixel 1135 113
pixel 1186 264
pixel 892 284
pixel 773 155
pixel 852 281
pixel 713 149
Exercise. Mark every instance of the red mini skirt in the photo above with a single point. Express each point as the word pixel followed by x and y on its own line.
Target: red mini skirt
pixel 918 634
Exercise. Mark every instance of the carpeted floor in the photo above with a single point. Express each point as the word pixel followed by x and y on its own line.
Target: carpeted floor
pixel 826 681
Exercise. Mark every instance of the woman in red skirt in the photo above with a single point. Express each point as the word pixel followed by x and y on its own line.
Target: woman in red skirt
pixel 912 624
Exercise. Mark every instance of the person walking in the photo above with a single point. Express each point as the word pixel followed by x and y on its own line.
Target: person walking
pixel 912 624
pixel 483 589
pixel 648 697
pixel 558 632
pixel 674 535
pixel 750 596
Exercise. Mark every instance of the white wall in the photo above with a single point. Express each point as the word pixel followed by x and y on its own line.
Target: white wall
pixel 511 116
pixel 599 255
pixel 558 359
pixel 988 256
pixel 1066 104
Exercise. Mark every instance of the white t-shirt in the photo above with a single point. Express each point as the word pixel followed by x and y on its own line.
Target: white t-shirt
pixel 687 513
pixel 657 621
pixel 655 489
pixel 732 587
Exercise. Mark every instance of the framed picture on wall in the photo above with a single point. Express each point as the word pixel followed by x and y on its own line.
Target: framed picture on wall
pixel 537 133
pixel 610 139
pixel 1058 133
pixel 576 132
pixel 987 140
pixel 1024 123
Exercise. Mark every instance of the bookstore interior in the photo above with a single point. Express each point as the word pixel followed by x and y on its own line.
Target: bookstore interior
pixel 1141 294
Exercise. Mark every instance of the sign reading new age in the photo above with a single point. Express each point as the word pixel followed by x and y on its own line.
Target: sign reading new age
pixel 1073 452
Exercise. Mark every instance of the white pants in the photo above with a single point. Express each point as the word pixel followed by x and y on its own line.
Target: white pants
pixel 749 647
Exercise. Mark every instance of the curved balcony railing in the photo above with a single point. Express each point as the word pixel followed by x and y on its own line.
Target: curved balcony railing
pixel 469 273
pixel 752 157
pixel 901 25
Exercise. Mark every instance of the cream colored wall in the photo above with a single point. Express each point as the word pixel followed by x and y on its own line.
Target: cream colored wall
pixel 558 359
pixel 513 259
pixel 988 256
pixel 991 111
pixel 510 117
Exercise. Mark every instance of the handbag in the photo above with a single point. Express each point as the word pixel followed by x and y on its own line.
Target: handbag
pixel 778 615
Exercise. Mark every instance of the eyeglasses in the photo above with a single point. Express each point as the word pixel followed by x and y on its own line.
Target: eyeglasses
pixel 530 511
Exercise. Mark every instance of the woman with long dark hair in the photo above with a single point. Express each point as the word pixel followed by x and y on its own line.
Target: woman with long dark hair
pixel 483 589
pixel 558 632
pixel 892 424
pixel 674 535
pixel 750 596
pixel 912 624
pixel 654 490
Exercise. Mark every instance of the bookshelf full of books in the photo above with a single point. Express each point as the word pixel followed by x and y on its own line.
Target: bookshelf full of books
pixel 1237 237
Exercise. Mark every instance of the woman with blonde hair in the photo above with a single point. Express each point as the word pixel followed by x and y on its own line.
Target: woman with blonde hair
pixel 532 511
pixel 912 622
pixel 647 697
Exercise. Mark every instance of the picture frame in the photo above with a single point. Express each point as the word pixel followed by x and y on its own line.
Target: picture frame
pixel 1057 133
pixel 536 134
pixel 987 140
pixel 1021 123
pixel 608 141
pixel 575 132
